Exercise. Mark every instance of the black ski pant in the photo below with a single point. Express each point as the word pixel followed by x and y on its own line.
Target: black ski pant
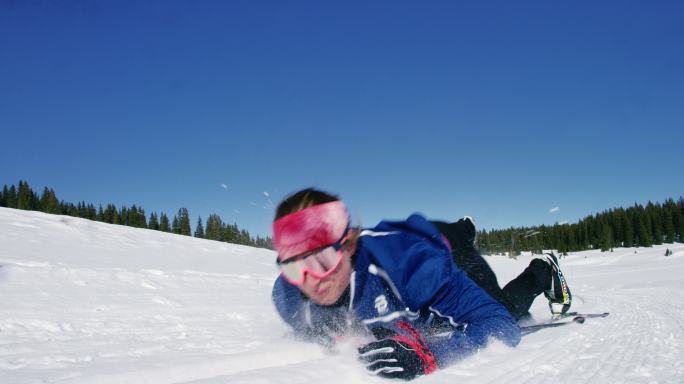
pixel 517 296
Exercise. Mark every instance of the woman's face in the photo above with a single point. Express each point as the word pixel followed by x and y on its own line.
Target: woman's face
pixel 328 290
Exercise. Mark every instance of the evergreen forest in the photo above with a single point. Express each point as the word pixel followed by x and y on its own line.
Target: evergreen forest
pixel 635 226
pixel 23 197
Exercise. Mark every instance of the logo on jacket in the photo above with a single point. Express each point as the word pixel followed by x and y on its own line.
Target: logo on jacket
pixel 381 304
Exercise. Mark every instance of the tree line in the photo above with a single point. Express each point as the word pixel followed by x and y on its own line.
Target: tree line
pixel 23 197
pixel 635 226
pixel 638 225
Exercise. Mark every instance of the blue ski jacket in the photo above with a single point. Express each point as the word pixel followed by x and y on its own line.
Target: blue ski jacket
pixel 403 271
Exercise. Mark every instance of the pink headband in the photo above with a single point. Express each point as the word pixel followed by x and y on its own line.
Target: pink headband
pixel 311 228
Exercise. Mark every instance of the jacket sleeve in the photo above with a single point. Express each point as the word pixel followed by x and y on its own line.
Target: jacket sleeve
pixel 290 304
pixel 309 321
pixel 430 281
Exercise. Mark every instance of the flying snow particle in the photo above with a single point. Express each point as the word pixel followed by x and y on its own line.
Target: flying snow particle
pixel 224 186
pixel 554 209
pixel 266 194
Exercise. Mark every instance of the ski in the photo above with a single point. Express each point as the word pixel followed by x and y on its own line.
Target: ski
pixel 577 318
pixel 585 315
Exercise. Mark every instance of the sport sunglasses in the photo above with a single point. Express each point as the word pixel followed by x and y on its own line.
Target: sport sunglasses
pixel 319 263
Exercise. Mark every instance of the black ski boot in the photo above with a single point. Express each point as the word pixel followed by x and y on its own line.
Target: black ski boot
pixel 559 294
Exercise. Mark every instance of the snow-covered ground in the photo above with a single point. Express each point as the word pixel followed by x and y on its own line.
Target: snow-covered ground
pixel 87 302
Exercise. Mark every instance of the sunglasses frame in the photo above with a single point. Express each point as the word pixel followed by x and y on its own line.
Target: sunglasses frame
pixel 337 246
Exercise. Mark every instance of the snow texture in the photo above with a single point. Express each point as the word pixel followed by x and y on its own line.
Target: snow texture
pixel 87 302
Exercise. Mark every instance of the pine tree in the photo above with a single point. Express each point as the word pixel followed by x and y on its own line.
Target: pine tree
pixel 132 216
pixel 681 227
pixel 606 239
pixel 642 232
pixel 265 243
pixel 26 198
pixel 136 217
pixel 214 227
pixel 628 234
pixel 110 215
pixel 49 202
pixel 668 226
pixel 572 238
pixel 84 210
pixel 175 226
pixel 244 237
pixel 583 230
pixel 231 234
pixel 69 209
pixel 123 215
pixel 142 218
pixel 3 196
pixel 671 207
pixel 154 222
pixel 184 222
pixel 199 231
pixel 615 223
pixel 91 212
pixel 11 197
pixel 656 226
pixel 164 223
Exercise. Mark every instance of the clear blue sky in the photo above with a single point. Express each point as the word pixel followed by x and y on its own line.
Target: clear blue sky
pixel 501 110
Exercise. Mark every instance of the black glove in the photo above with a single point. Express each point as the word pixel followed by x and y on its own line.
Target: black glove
pixel 399 356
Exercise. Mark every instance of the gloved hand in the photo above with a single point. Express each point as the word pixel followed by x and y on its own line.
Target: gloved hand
pixel 399 356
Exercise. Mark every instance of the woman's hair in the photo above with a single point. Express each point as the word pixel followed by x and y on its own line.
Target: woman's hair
pixel 303 199
pixel 309 197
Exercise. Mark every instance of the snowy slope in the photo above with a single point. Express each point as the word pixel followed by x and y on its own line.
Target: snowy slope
pixel 87 302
